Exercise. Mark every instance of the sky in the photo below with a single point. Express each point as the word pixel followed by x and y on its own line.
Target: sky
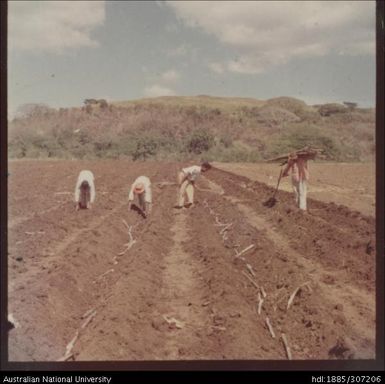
pixel 62 52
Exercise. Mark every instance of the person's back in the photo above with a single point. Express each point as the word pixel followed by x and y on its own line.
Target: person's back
pixel 86 175
pixel 145 182
pixel 300 169
pixel 85 190
pixel 141 188
pixel 193 172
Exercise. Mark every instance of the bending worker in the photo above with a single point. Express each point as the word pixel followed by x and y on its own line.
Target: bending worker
pixel 141 188
pixel 85 190
pixel 186 182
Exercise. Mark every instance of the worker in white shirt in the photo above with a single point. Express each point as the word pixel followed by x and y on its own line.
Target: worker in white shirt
pixel 141 188
pixel 186 181
pixel 85 190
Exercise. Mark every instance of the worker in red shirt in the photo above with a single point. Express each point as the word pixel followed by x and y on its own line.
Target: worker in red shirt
pixel 299 177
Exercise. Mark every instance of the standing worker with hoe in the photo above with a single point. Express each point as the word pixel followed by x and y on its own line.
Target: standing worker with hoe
pixel 186 183
pixel 141 188
pixel 299 177
pixel 297 164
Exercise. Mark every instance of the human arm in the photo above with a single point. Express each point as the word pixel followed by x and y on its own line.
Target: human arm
pixel 290 162
pixel 77 191
pixel 148 208
pixel 130 198
pixel 286 169
pixel 131 193
pixel 148 199
pixel 92 191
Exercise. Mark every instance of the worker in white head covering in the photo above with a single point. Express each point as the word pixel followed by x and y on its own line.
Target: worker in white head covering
pixel 85 190
pixel 141 189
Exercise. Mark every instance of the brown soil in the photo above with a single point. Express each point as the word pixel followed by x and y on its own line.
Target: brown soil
pixel 181 292
pixel 350 184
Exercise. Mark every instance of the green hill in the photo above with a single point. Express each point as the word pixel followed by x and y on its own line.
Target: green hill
pixel 181 127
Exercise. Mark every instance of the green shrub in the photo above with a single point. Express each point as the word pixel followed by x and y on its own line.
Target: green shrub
pixel 228 131
pixel 16 150
pixel 226 140
pixel 331 109
pixel 291 104
pixel 200 141
pixel 233 154
pixel 300 138
pixel 145 147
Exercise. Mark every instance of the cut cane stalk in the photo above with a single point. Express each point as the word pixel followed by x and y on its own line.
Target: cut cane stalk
pixel 245 250
pixel 226 227
pixel 131 239
pixel 87 313
pixel 250 268
pixel 251 280
pixel 260 302
pixel 286 344
pixel 105 273
pixel 269 326
pixel 218 223
pixel 69 346
pixel 291 299
pixel 66 357
pixel 88 319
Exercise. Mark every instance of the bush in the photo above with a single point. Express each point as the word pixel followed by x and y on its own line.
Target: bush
pixel 350 105
pixel 16 150
pixel 290 104
pixel 227 132
pixel 226 140
pixel 235 153
pixel 300 138
pixel 103 104
pixel 200 141
pixel 145 146
pixel 33 110
pixel 274 115
pixel 331 109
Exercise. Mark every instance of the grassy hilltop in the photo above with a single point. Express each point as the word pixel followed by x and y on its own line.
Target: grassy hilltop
pixel 177 127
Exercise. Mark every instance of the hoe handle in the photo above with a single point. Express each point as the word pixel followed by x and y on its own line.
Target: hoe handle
pixel 279 180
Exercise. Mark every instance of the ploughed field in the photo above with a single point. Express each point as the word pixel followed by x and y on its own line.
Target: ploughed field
pixel 226 279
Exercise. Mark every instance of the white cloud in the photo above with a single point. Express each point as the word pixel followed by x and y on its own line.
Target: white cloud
pixel 158 90
pixel 267 33
pixel 171 28
pixel 53 26
pixel 170 76
pixel 162 84
pixel 180 50
pixel 358 48
pixel 216 67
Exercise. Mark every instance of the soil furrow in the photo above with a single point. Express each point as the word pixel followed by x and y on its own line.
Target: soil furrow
pixel 181 292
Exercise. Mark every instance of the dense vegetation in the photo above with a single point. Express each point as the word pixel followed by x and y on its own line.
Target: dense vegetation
pixel 175 128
